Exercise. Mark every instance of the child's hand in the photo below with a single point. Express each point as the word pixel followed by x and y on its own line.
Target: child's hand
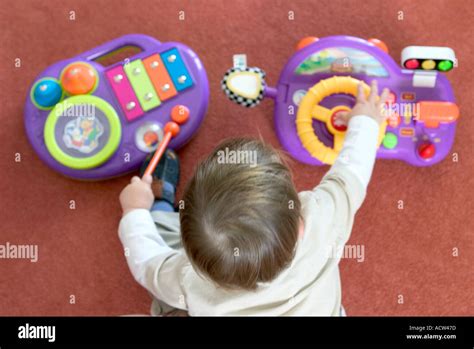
pixel 137 194
pixel 371 107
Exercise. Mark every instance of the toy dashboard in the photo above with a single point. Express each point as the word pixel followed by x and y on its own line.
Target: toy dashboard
pixel 320 80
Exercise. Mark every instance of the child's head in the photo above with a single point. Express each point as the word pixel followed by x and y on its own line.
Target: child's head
pixel 241 215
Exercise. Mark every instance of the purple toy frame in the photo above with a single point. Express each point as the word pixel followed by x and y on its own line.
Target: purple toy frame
pixel 398 81
pixel 195 98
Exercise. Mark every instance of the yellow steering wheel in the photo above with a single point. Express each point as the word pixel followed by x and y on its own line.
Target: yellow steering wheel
pixel 310 109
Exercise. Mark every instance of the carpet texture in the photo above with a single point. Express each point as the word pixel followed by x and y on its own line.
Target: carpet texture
pixel 418 260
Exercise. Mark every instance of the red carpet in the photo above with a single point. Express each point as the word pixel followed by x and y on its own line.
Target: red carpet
pixel 408 252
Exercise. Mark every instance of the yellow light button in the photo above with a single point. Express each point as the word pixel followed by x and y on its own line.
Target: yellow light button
pixel 428 64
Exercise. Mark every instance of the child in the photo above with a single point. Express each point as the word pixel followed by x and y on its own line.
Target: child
pixel 245 242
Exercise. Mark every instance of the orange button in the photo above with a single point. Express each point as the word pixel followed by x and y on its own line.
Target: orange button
pixel 379 43
pixel 306 41
pixel 180 114
pixel 407 132
pixel 432 113
pixel 78 78
pixel 408 96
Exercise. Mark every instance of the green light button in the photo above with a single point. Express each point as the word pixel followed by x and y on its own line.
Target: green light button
pixel 445 65
pixel 390 140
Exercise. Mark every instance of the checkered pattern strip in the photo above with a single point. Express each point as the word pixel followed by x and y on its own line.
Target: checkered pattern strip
pixel 246 102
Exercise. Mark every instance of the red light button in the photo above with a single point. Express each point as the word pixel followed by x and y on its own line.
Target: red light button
pixel 426 150
pixel 412 64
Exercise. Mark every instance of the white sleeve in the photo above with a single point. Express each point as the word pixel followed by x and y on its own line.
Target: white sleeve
pixel 358 151
pixel 343 188
pixel 153 264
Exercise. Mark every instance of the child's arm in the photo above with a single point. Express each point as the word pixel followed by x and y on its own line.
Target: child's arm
pixel 152 262
pixel 360 145
pixel 344 186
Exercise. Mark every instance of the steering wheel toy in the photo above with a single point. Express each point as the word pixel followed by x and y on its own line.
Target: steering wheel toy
pixel 310 108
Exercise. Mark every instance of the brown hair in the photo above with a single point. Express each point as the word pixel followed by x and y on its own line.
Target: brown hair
pixel 240 219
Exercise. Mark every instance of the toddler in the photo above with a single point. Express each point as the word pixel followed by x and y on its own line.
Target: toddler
pixel 244 241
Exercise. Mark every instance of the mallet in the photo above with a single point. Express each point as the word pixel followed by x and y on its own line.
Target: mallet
pixel 179 115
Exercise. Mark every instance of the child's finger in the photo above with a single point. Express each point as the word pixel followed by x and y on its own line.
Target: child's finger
pixel 135 179
pixel 342 115
pixel 374 92
pixel 384 96
pixel 148 179
pixel 360 92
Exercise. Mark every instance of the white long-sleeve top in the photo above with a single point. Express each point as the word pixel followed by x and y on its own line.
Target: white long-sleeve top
pixel 309 286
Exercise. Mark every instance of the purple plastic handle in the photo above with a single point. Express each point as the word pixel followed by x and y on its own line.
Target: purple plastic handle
pixel 146 43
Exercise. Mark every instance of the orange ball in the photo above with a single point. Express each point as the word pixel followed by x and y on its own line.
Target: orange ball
pixel 78 78
pixel 180 114
pixel 172 127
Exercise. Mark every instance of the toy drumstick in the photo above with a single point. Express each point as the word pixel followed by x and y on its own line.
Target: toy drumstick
pixel 171 130
pixel 179 115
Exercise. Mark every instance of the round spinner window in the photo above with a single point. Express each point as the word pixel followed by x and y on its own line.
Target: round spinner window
pixel 147 136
